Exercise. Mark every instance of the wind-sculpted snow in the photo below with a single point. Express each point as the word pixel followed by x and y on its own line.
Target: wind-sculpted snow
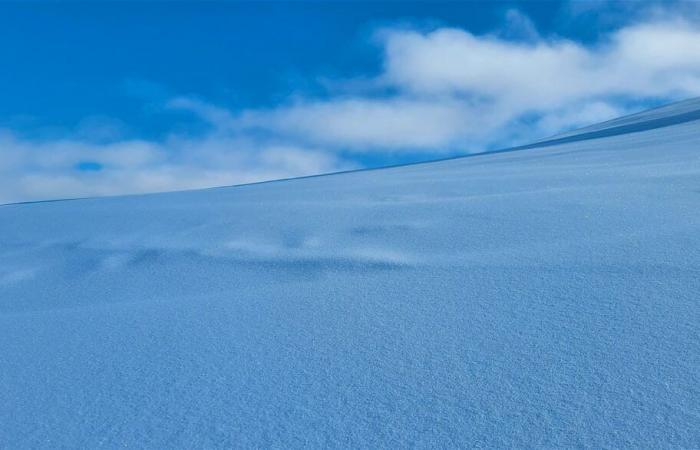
pixel 546 297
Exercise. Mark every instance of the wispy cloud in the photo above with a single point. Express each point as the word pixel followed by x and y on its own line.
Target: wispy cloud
pixel 32 170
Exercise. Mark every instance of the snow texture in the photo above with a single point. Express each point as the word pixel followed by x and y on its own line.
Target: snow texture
pixel 545 297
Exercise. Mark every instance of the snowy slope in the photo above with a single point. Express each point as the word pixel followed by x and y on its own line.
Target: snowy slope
pixel 535 298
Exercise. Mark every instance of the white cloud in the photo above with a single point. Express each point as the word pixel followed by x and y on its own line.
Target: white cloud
pixel 578 116
pixel 456 91
pixel 642 60
pixel 455 62
pixel 32 170
pixel 366 124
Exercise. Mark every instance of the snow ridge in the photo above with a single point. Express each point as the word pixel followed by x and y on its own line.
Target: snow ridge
pixel 539 298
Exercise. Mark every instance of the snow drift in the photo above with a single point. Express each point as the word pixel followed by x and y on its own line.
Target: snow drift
pixel 548 296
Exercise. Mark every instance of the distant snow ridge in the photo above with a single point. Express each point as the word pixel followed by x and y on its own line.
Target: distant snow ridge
pixel 546 297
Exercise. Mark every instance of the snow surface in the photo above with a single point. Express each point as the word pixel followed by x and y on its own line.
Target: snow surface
pixel 547 297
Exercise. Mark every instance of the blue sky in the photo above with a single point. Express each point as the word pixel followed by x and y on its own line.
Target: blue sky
pixel 121 97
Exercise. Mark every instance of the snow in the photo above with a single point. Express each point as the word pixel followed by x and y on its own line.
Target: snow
pixel 546 297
